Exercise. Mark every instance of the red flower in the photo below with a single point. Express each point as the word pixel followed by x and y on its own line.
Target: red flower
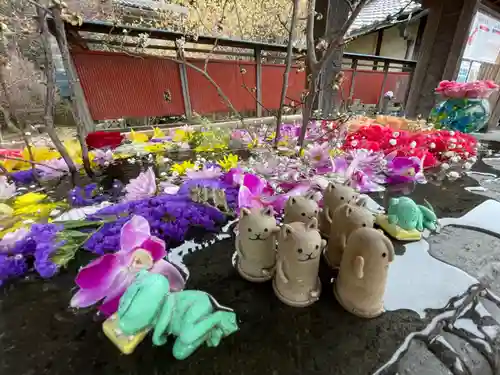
pixel 104 139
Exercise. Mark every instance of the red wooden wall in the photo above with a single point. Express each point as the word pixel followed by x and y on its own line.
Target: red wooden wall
pixel 117 85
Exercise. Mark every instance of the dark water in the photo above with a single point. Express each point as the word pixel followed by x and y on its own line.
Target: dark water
pixel 40 335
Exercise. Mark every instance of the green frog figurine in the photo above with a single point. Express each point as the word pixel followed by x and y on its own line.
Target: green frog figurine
pixel 406 220
pixel 193 316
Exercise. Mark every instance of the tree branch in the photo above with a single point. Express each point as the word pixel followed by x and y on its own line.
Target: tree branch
pixel 288 64
pixel 30 161
pixel 311 48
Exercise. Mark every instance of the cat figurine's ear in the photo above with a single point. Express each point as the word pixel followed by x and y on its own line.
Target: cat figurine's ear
pixel 287 230
pixel 245 212
pixel 313 224
pixel 268 211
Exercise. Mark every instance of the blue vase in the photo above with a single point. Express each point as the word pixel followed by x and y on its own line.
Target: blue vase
pixel 461 114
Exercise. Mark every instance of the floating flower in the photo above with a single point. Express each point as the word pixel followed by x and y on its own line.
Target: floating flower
pixel 101 157
pixel 230 161
pixel 52 169
pixel 143 186
pixel 103 139
pixel 168 187
pixel 106 278
pixel 156 148
pixel 401 169
pixel 7 190
pixel 158 133
pixel 182 168
pixel 10 239
pixel 205 173
pixel 138 137
pixel 318 154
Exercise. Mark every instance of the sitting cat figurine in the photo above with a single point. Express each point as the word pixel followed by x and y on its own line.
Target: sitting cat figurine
pixel 334 196
pixel 301 208
pixel 346 218
pixel 296 280
pixel 256 244
pixel 360 286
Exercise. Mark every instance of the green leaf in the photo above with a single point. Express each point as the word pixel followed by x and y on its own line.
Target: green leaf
pixel 64 254
pixel 75 234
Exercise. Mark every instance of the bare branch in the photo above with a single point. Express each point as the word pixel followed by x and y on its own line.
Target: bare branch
pixel 349 4
pixel 288 64
pixel 30 161
pixel 205 66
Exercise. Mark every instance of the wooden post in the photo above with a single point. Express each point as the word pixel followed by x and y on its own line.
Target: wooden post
pixel 258 80
pixel 382 89
pixel 188 110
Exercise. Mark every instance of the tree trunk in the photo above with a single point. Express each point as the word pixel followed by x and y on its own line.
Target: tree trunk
pixel 288 64
pixel 51 91
pixel 83 123
pixel 330 98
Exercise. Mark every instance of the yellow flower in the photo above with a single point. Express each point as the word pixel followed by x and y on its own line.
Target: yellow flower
pixel 28 199
pixel 138 137
pixel 156 147
pixel 181 135
pixel 32 205
pixel 74 149
pixel 158 133
pixel 5 210
pixel 10 165
pixel 230 161
pixel 181 168
pixel 40 154
pixel 335 152
pixel 253 144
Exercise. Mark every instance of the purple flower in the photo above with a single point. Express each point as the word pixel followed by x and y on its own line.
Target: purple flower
pixel 86 196
pixel 206 172
pixel 318 154
pixel 12 266
pixel 23 177
pixel 59 168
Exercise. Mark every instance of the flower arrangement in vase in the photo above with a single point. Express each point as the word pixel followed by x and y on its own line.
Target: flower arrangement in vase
pixel 465 106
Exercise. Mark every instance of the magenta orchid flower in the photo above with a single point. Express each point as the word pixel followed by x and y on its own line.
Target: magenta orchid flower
pixel 255 192
pixel 234 177
pixel 403 169
pixel 106 278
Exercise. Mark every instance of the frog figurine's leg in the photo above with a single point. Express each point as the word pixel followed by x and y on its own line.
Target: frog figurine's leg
pixel 420 222
pixel 199 322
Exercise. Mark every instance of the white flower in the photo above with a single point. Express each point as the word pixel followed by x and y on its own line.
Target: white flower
pixel 7 190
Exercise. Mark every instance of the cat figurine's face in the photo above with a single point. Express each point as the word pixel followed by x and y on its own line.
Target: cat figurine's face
pixel 352 216
pixel 257 224
pixel 335 195
pixel 303 241
pixel 303 208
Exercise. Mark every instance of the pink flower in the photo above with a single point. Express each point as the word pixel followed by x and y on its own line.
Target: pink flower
pixel 472 90
pixel 51 169
pixel 254 192
pixel 107 277
pixel 144 186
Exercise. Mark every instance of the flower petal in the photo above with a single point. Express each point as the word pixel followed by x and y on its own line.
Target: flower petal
pixel 245 197
pixel 99 273
pixel 134 233
pixel 171 272
pixel 254 183
pixel 87 297
pixel 110 307
pixel 156 247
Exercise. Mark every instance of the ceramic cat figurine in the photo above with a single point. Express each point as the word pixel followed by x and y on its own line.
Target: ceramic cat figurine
pixel 256 244
pixel 296 281
pixel 334 196
pixel 301 208
pixel 360 285
pixel 347 218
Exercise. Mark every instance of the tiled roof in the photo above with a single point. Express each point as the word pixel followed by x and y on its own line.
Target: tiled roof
pixel 376 11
